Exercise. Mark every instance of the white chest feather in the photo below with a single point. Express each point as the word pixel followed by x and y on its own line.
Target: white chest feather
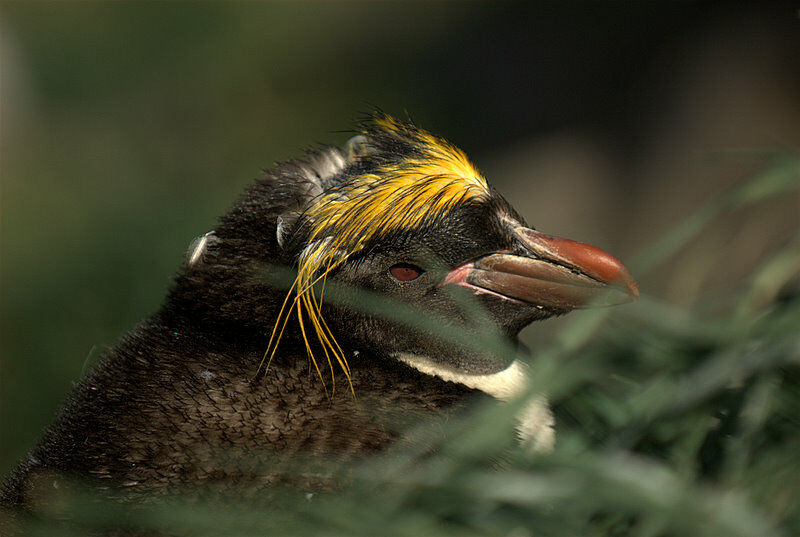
pixel 534 420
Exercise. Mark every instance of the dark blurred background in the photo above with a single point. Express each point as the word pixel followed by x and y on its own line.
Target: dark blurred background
pixel 128 127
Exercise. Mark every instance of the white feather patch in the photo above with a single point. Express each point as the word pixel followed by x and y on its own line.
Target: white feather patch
pixel 197 248
pixel 322 166
pixel 534 421
pixel 282 230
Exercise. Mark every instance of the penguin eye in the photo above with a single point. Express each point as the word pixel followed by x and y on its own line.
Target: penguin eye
pixel 405 272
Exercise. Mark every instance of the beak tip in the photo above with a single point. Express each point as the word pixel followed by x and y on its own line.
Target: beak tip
pixel 590 260
pixel 633 290
pixel 627 284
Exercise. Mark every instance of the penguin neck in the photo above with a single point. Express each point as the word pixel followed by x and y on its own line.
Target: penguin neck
pixel 535 423
pixel 503 385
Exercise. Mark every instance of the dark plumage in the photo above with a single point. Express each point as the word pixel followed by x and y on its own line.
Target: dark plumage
pixel 397 212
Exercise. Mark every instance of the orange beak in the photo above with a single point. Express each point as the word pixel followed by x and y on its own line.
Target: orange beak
pixel 557 274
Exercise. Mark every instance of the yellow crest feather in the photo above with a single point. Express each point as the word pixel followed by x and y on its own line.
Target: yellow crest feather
pixel 401 194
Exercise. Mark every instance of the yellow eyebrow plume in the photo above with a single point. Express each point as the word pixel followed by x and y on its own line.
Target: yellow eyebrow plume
pixel 400 194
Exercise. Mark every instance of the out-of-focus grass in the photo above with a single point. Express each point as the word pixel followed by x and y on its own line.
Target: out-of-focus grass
pixel 670 422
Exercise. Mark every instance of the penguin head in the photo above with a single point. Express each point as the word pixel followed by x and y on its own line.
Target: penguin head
pixel 403 217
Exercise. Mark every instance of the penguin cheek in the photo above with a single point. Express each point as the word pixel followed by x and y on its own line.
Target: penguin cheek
pixel 428 336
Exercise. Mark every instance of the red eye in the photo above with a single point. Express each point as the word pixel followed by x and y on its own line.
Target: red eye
pixel 405 272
